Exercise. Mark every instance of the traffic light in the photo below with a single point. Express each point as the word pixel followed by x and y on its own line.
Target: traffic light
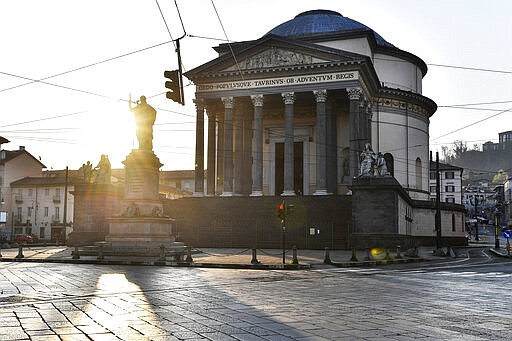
pixel 281 211
pixel 174 84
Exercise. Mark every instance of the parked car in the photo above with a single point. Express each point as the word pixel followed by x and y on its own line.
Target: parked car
pixel 23 239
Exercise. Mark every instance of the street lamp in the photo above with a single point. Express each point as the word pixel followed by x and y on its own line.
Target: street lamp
pixel 496 227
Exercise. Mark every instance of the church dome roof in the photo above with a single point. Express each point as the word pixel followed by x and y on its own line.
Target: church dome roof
pixel 312 23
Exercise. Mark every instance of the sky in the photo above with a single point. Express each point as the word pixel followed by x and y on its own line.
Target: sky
pixel 89 57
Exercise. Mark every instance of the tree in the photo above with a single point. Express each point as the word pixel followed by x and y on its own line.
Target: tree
pixel 500 177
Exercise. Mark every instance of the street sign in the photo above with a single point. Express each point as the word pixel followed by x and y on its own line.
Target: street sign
pixel 506 234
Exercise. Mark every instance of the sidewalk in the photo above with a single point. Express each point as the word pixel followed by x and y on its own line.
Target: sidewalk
pixel 224 258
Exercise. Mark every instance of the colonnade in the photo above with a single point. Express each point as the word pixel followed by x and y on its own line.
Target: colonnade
pixel 227 167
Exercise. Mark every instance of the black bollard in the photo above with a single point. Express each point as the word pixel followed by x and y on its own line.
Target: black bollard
pixel 398 255
pixel 353 258
pixel 254 259
pixel 327 257
pixel 387 255
pixel 100 252
pixel 76 254
pixel 189 255
pixel 162 253
pixel 368 257
pixel 295 260
pixel 20 251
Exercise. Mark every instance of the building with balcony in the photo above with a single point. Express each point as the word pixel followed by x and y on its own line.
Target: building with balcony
pixel 14 165
pixel 46 211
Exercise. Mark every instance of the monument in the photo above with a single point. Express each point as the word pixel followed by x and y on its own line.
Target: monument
pixel 141 225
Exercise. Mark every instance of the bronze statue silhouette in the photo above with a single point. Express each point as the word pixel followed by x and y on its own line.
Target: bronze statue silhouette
pixel 145 116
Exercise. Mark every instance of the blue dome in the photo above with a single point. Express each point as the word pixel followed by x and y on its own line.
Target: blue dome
pixel 322 21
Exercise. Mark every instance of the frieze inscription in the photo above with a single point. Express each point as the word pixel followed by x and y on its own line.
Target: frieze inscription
pixel 279 81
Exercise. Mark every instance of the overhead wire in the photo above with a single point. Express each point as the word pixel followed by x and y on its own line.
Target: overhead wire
pixel 228 41
pixel 85 66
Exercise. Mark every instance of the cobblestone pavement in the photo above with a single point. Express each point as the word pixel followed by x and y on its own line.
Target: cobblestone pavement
pixel 45 301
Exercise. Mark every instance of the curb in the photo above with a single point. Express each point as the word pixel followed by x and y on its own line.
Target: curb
pixel 162 263
pixel 497 253
pixel 376 262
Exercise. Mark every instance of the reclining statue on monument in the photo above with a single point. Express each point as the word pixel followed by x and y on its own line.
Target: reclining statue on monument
pixel 145 116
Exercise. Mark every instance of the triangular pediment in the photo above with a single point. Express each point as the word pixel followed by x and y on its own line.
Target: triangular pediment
pixel 272 52
pixel 276 57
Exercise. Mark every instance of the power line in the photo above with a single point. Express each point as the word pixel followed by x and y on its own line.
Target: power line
pixel 474 123
pixel 470 68
pixel 44 119
pixel 229 44
pixel 85 66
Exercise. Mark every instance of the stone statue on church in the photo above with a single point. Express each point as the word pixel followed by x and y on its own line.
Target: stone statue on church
pixel 368 159
pixel 372 164
pixel 145 116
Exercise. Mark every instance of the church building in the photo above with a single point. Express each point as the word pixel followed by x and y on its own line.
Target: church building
pixel 290 113
pixel 326 116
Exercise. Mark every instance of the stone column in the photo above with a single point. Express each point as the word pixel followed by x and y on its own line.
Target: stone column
pixel 199 164
pixel 228 146
pixel 220 154
pixel 238 150
pixel 257 147
pixel 247 154
pixel 289 99
pixel 355 95
pixel 210 177
pixel 321 142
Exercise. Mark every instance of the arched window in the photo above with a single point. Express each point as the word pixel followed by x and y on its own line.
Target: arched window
pixel 419 173
pixel 453 222
pixel 390 163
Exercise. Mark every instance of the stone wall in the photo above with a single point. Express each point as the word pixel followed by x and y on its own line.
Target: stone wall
pixel 248 222
pixel 94 203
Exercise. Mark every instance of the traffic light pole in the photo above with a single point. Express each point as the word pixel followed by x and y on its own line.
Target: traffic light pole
pixel 283 228
pixel 178 51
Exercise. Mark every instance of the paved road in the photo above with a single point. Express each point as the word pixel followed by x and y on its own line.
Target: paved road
pixel 463 299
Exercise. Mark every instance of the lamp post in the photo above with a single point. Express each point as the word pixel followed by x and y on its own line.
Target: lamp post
pixel 496 227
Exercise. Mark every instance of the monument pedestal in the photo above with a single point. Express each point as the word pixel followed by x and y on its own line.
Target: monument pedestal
pixel 141 226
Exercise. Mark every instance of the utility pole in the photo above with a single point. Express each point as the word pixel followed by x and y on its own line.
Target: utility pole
pixel 65 220
pixel 476 217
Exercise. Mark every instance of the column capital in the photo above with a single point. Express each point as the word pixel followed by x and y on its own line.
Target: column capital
pixel 354 93
pixel 228 102
pixel 257 100
pixel 320 95
pixel 288 97
pixel 199 102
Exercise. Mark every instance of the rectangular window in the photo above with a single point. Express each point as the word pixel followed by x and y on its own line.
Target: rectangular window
pixel 450 200
pixel 18 213
pixel 449 175
pixel 29 213
pixel 30 192
pixel 46 211
pixel 449 188
pixel 46 192
pixel 432 189
pixel 432 175
pixel 41 232
pixel 57 213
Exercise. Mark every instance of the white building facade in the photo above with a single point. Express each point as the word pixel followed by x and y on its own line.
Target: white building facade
pixel 290 113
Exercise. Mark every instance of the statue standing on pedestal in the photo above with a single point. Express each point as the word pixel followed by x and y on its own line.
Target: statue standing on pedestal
pixel 104 171
pixel 145 116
